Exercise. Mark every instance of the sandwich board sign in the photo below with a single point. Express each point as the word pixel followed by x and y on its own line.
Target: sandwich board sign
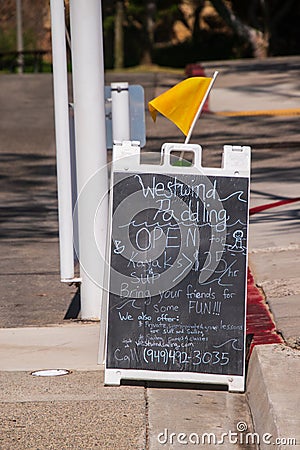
pixel 177 279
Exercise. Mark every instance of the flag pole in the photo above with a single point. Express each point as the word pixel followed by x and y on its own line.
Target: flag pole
pixel 200 107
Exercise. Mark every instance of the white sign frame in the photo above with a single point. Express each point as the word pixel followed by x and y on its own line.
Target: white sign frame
pixel 235 163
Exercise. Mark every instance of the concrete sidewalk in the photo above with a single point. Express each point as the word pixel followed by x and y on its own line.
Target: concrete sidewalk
pixel 271 91
pixel 76 411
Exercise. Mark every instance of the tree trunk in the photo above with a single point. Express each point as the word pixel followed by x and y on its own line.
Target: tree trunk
pixel 149 32
pixel 254 37
pixel 119 36
pixel 196 28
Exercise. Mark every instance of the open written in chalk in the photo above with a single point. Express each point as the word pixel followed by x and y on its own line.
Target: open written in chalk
pixel 178 267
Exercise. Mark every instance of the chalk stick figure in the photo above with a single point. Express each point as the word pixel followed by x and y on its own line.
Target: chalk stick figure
pixel 238 236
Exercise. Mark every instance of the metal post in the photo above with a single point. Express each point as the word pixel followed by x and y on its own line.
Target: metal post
pixel 20 58
pixel 90 141
pixel 60 86
pixel 120 112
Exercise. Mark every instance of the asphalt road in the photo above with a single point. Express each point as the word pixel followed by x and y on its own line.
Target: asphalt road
pixel 31 292
pixel 77 411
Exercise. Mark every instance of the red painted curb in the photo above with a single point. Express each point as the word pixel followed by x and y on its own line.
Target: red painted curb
pixel 258 209
pixel 259 322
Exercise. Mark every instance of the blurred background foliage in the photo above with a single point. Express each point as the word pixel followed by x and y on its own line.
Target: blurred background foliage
pixel 175 33
pixel 164 32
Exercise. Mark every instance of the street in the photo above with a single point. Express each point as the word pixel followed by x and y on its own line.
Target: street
pixel 31 292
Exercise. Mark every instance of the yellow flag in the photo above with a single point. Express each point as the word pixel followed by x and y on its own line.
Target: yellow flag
pixel 181 103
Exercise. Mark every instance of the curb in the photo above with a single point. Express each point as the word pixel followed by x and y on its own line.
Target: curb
pixel 273 401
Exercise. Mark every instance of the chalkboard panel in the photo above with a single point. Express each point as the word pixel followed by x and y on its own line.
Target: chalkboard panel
pixel 177 273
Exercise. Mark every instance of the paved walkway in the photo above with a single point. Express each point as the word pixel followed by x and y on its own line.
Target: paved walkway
pixel 75 411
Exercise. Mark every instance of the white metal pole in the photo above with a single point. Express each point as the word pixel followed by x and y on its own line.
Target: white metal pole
pixel 90 141
pixel 60 86
pixel 120 112
pixel 20 58
pixel 201 107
